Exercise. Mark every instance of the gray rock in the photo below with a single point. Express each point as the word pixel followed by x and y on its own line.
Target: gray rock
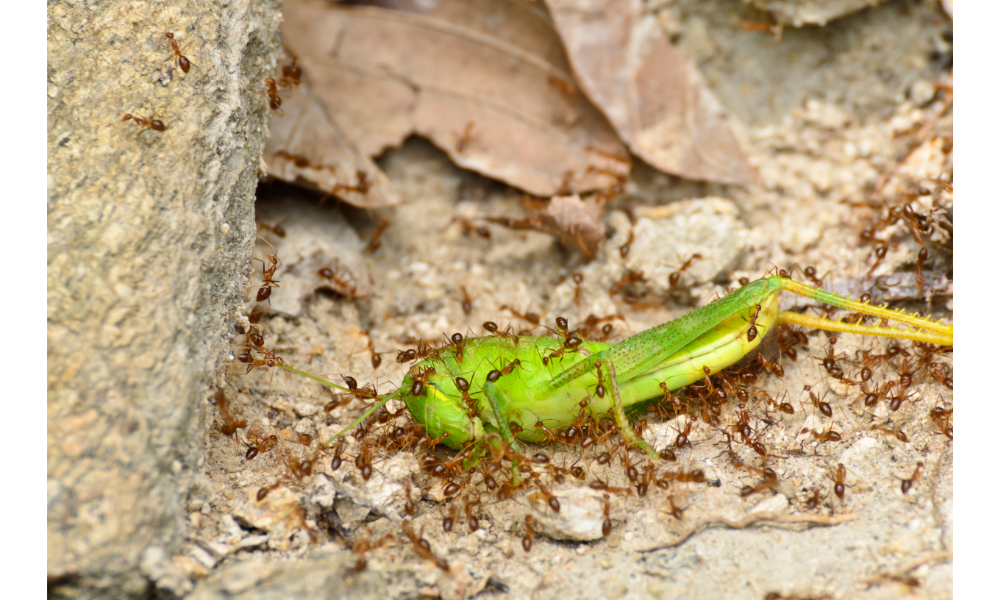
pixel 667 236
pixel 149 234
pixel 331 575
pixel 580 517
pixel 810 12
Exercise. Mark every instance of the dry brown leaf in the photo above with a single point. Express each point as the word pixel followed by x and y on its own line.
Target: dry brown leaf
pixel 573 220
pixel 486 81
pixel 651 92
pixel 307 146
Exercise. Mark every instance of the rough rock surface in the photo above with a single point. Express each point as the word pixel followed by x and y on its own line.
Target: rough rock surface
pixel 149 235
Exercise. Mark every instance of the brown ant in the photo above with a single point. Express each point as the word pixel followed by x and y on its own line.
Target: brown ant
pixel 182 61
pixel 743 428
pixel 341 277
pixel 264 491
pixel 470 515
pixel 408 506
pixel 921 259
pixel 906 484
pixel 641 303
pixel 606 525
pixel 291 75
pixel 770 480
pixel 267 282
pixel 578 280
pixel 675 277
pixel 838 481
pixel 376 356
pixel 363 461
pixel 623 250
pixel 682 436
pixel 468 227
pixel 258 443
pixel 492 327
pixel 550 498
pixel 570 345
pixel 274 99
pixel 458 341
pixel 530 317
pixel 231 423
pixel 362 187
pixel 448 521
pixel 529 534
pixel 463 141
pixel 827 436
pixel 599 485
pixel 942 417
pixel 629 277
pixel 830 361
pixel 771 367
pixel 898 433
pixel 510 367
pixel 823 407
pixel 277 230
pixel 466 300
pixel 880 252
pixel 360 547
pixel 155 124
pixel 675 511
pixel 270 359
pixel 810 273
pixel 422 546
pixel 301 468
pixel 752 329
pixel 376 240
pixel 453 465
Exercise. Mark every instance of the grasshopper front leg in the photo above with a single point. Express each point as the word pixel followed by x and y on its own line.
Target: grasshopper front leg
pixel 619 411
pixel 495 395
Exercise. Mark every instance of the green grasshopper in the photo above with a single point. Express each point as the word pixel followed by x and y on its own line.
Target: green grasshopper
pixel 481 388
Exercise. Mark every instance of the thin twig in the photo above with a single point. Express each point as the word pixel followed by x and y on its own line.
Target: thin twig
pixel 797 522
pixel 900 575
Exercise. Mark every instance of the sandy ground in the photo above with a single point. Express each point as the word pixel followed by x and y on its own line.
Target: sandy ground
pixel 821 129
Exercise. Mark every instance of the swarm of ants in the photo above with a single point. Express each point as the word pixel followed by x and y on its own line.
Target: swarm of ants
pixel 732 410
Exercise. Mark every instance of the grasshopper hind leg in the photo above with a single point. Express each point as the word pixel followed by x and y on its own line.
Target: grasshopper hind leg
pixel 908 326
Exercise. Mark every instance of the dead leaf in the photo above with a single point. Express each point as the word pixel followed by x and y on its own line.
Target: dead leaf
pixel 575 221
pixel 651 92
pixel 487 82
pixel 306 145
